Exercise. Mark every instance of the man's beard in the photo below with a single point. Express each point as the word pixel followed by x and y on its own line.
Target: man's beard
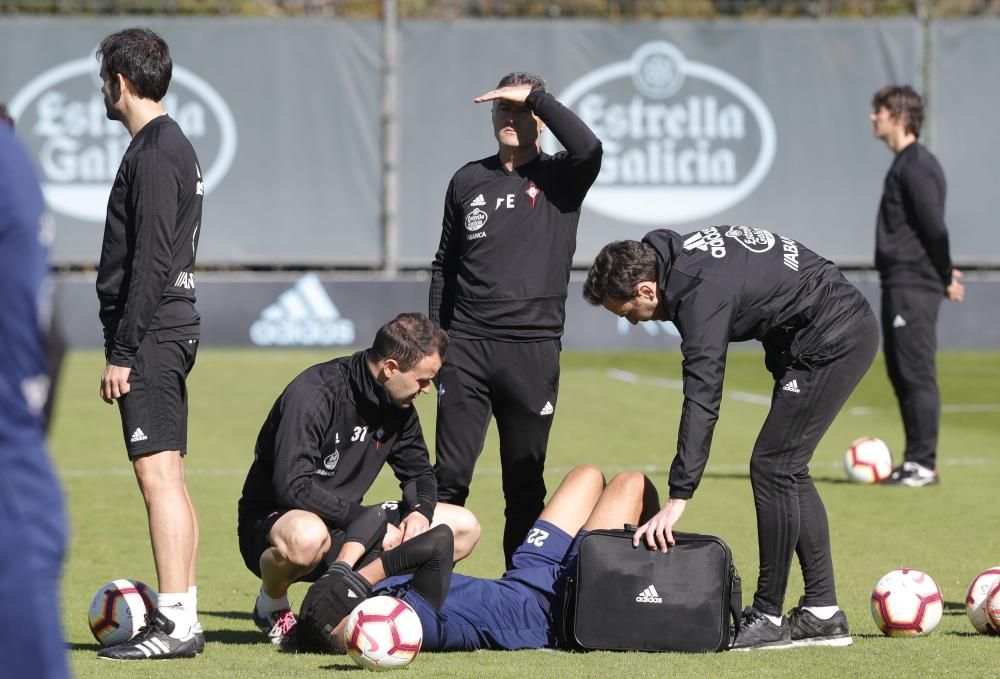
pixel 109 105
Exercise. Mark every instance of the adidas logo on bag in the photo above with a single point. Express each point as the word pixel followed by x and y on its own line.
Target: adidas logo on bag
pixel 303 316
pixel 649 596
pixel 792 386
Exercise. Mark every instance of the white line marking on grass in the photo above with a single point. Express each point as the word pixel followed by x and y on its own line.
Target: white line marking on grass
pixel 955 408
pixel 632 378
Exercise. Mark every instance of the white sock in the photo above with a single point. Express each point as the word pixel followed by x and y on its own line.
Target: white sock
pixel 172 606
pixel 266 605
pixel 776 619
pixel 193 598
pixel 822 612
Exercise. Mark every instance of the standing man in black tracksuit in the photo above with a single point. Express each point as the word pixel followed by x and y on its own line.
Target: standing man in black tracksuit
pixel 728 284
pixel 146 288
pixel 323 444
pixel 498 287
pixel 914 263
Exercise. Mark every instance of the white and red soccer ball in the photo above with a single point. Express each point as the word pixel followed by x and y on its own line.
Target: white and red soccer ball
pixel 383 633
pixel 984 592
pixel 868 460
pixel 119 609
pixel 906 602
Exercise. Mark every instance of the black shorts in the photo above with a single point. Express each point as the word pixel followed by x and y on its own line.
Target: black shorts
pixel 154 411
pixel 254 529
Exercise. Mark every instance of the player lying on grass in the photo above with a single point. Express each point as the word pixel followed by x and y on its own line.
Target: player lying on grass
pixel 326 439
pixel 462 613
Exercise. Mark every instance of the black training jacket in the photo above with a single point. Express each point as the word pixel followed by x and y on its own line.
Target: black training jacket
pixel 145 280
pixel 326 439
pixel 508 238
pixel 734 283
pixel 911 239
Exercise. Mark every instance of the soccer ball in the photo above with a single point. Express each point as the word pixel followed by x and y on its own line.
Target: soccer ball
pixel 383 633
pixel 868 460
pixel 993 607
pixel 119 609
pixel 977 599
pixel 907 602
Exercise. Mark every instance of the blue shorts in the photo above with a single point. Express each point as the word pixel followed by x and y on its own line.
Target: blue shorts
pixel 543 560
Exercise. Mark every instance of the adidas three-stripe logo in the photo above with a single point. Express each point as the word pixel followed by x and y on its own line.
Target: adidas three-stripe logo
pixel 303 316
pixel 649 596
pixel 138 435
pixel 792 386
pixel 153 646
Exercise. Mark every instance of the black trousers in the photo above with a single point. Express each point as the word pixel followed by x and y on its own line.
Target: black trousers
pixel 518 383
pixel 909 329
pixel 809 391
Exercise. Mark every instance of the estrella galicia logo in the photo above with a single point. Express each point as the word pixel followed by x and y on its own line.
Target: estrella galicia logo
pixel 78 149
pixel 682 140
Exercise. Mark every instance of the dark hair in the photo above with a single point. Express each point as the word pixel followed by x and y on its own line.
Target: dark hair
pixel 522 78
pixel 618 267
pixel 903 103
pixel 407 339
pixel 5 115
pixel 141 56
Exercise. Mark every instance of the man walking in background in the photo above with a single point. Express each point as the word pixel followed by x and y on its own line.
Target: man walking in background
pixel 146 287
pixel 914 264
pixel 498 287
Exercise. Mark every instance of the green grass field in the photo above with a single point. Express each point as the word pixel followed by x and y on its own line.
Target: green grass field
pixel 952 531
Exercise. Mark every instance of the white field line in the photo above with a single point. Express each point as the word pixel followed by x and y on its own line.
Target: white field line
pixel 747 397
pixel 495 471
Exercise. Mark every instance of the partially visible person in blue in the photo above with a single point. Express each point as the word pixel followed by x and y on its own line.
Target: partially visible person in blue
pixel 32 521
pixel 520 610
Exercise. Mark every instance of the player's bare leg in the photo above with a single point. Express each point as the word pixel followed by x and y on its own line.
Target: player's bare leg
pixel 464 525
pixel 574 499
pixel 172 532
pixel 630 498
pixel 299 540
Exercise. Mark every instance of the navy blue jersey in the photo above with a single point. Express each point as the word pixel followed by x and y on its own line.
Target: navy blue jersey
pixel 31 510
pixel 25 312
pixel 510 613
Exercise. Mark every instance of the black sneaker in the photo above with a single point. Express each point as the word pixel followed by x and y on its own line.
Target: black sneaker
pixel 153 642
pixel 756 631
pixel 912 475
pixel 199 638
pixel 808 630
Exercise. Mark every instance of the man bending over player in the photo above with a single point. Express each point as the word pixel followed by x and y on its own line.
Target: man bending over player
pixel 323 444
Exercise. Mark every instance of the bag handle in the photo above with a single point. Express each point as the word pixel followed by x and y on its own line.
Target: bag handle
pixel 735 601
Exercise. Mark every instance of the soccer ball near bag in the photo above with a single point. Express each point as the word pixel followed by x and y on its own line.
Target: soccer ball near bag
pixel 977 600
pixel 907 602
pixel 119 609
pixel 383 633
pixel 868 460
